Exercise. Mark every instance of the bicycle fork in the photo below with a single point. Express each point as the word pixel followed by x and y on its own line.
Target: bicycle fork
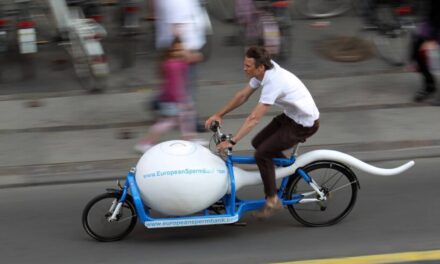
pixel 115 208
pixel 317 189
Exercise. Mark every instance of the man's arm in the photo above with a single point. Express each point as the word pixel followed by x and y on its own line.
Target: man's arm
pixel 251 121
pixel 238 99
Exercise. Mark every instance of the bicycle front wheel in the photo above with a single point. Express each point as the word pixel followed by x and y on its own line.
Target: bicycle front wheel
pixel 340 186
pixel 322 8
pixel 96 215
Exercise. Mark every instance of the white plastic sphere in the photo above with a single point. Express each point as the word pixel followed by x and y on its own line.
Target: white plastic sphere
pixel 180 178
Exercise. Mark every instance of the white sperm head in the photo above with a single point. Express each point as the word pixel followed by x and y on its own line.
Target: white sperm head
pixel 180 177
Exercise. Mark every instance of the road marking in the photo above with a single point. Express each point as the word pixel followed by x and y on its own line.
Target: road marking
pixel 376 259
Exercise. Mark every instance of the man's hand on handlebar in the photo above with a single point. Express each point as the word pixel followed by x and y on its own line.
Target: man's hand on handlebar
pixel 223 142
pixel 224 146
pixel 212 119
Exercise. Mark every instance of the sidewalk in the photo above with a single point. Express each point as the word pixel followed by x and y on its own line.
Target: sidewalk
pixel 77 138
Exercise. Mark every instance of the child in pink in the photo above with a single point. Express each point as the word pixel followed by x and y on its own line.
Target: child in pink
pixel 176 109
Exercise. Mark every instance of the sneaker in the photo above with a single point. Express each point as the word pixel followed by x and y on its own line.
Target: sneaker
pixel 268 210
pixel 142 148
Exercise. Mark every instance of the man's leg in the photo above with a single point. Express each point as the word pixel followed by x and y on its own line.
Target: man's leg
pixel 268 149
pixel 282 135
pixel 266 132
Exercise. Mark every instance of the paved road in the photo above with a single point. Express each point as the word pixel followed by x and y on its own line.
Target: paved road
pixel 73 137
pixel 392 214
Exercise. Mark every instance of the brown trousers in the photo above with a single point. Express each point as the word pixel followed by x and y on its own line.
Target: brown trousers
pixel 280 134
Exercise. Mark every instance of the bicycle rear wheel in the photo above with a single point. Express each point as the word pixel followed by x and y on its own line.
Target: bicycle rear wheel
pixel 322 8
pixel 96 214
pixel 338 183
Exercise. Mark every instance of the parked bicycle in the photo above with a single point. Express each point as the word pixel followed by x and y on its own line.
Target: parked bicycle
pixel 83 41
pixel 179 183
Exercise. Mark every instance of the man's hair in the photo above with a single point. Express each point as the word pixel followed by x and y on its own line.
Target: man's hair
pixel 261 57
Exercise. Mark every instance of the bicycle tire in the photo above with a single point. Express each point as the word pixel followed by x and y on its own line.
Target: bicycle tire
pixel 97 231
pixel 313 214
pixel 322 8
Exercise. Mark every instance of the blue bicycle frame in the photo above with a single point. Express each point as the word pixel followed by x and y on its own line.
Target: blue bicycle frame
pixel 234 207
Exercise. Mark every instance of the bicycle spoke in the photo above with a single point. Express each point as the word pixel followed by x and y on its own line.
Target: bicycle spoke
pixel 335 183
pixel 313 212
pixel 127 218
pixel 331 177
pixel 343 186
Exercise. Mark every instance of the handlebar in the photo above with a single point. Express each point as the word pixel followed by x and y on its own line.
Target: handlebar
pixel 215 125
pixel 219 136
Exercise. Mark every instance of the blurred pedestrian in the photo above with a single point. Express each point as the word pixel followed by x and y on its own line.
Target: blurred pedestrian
pixel 183 19
pixel 427 33
pixel 175 106
pixel 246 15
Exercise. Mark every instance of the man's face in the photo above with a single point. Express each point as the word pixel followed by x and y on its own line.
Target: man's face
pixel 250 69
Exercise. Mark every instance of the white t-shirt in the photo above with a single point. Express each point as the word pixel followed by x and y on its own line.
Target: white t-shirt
pixel 282 88
pixel 189 17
